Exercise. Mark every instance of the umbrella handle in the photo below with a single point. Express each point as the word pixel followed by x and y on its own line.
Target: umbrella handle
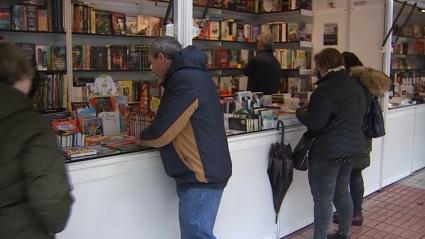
pixel 280 125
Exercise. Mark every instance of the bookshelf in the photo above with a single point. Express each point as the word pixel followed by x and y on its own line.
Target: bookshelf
pixel 408 56
pixel 284 46
pixel 80 32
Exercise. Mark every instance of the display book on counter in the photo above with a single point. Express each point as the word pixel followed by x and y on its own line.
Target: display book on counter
pixel 248 111
pixel 107 123
pixel 107 120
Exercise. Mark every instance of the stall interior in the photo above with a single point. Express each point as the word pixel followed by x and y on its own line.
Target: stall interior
pixel 408 56
pixel 93 79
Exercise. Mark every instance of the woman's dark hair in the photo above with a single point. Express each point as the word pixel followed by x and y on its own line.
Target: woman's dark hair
pixel 351 60
pixel 329 58
pixel 14 64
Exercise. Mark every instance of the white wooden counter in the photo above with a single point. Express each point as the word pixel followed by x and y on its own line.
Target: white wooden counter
pixel 131 197
pixel 404 144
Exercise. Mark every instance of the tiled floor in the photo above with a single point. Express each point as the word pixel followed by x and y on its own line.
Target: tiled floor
pixel 398 211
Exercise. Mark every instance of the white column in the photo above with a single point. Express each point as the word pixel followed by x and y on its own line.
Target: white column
pixel 389 9
pixel 68 28
pixel 387 49
pixel 183 14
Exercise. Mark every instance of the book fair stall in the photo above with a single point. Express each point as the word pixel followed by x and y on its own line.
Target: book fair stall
pixel 94 83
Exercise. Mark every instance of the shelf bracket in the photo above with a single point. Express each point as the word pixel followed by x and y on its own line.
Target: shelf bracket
pixel 204 15
pixel 405 22
pixel 201 24
pixel 167 14
pixel 392 26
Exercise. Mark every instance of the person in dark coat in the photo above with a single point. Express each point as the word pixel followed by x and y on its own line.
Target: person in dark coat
pixel 264 70
pixel 375 84
pixel 35 200
pixel 334 118
pixel 188 129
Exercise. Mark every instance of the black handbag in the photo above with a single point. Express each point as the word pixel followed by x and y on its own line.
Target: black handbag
pixel 373 123
pixel 362 161
pixel 302 150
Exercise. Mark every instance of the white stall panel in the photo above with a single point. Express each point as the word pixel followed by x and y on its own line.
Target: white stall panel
pixel 398 145
pixel 419 140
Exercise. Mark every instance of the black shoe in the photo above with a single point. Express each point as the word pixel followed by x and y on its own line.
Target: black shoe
pixel 336 235
pixel 357 219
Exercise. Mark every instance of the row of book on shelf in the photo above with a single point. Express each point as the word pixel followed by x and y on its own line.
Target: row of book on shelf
pixel 89 20
pixel 235 30
pixel 230 85
pixel 48 16
pixel 407 83
pixel 239 58
pixel 85 57
pixel 51 89
pixel 411 31
pixel 258 6
pixel 135 57
pixel 408 62
pixel 32 16
pixel 404 48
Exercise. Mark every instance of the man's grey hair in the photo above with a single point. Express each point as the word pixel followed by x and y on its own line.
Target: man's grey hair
pixel 169 46
pixel 266 39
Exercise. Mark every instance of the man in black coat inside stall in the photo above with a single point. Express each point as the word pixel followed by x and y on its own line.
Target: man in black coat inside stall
pixel 263 70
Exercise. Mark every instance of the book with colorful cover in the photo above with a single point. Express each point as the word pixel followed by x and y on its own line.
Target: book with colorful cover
pixel 104 85
pixel 78 152
pixel 59 116
pixel 18 18
pixel 103 151
pixel 110 123
pixel 92 126
pixel 68 125
pixel 96 140
pixel 58 58
pixel 29 49
pixel 129 147
pixel 4 18
pixel 118 23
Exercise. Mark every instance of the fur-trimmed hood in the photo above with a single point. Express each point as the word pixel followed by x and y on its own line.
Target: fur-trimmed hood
pixel 376 81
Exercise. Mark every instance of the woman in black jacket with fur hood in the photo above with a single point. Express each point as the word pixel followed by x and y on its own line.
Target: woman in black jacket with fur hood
pixel 375 84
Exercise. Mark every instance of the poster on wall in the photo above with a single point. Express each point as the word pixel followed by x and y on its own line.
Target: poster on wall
pixel 330 4
pixel 357 3
pixel 330 34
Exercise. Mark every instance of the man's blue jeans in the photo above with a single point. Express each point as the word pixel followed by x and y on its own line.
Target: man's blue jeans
pixel 198 209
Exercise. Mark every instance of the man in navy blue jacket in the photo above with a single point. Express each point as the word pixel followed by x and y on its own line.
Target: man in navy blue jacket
pixel 189 131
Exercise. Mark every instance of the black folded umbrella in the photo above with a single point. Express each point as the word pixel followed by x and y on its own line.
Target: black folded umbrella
pixel 280 170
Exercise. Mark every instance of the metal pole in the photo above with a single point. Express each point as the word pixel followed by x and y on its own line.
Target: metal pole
pixel 167 14
pixel 407 19
pixel 204 15
pixel 395 21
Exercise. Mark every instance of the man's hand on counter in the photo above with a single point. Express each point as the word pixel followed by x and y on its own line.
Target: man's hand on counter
pixel 305 105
